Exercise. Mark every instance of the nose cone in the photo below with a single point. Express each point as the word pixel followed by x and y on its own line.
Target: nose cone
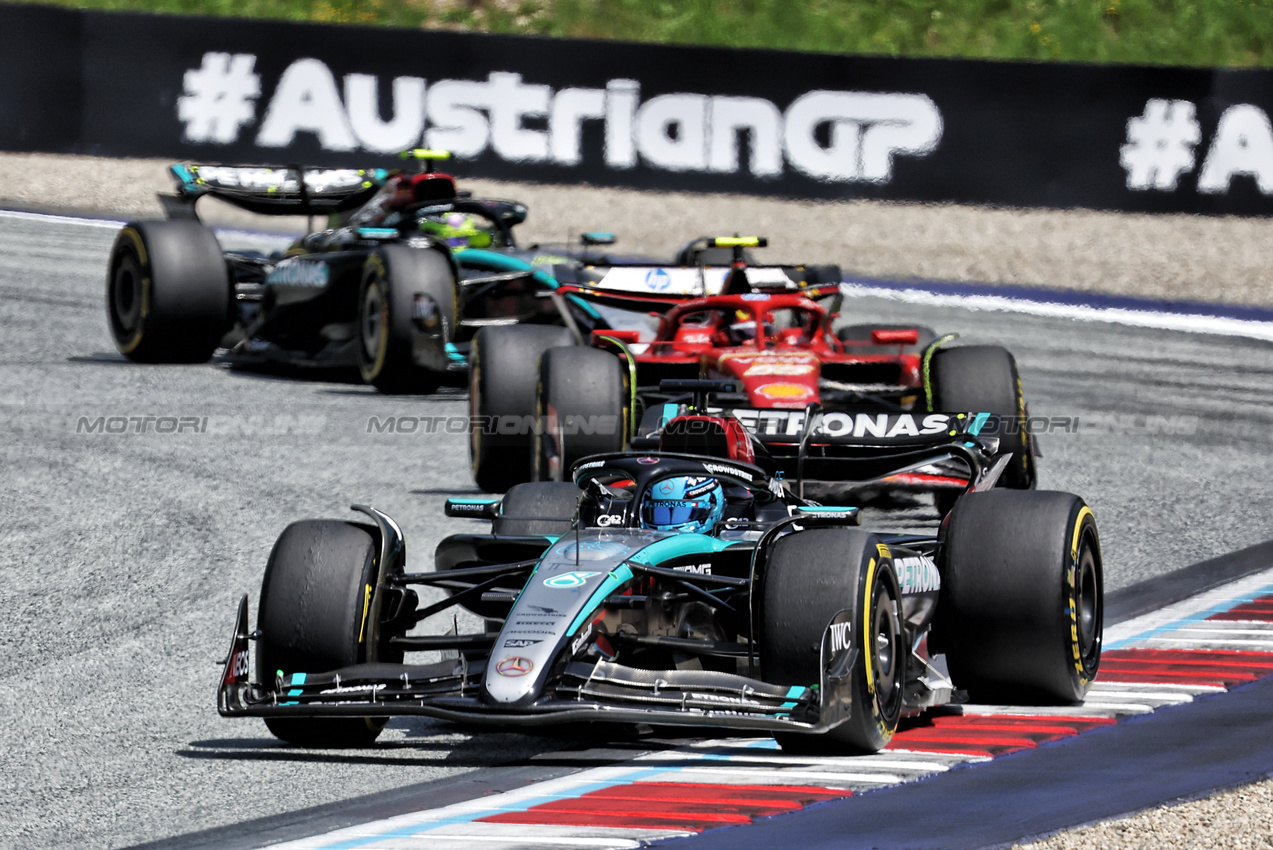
pixel 510 679
pixel 573 577
pixel 783 379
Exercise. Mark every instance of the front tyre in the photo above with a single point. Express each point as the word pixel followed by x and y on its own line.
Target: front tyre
pixel 312 618
pixel 406 316
pixel 582 407
pixel 1021 611
pixel 168 292
pixel 810 577
pixel 503 373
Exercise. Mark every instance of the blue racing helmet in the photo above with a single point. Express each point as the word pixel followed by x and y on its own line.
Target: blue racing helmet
pixel 684 503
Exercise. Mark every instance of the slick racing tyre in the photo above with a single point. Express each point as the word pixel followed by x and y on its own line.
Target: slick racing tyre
pixel 503 372
pixel 312 618
pixel 168 292
pixel 537 507
pixel 1021 609
pixel 857 339
pixel 406 293
pixel 809 578
pixel 582 405
pixel 983 379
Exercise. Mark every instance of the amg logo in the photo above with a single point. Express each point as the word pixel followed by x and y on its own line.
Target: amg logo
pixel 840 636
pixel 700 569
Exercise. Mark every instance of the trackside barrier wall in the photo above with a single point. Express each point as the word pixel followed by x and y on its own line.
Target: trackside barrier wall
pixel 802 125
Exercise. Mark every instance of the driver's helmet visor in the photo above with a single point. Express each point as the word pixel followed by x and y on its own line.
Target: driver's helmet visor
pixel 665 512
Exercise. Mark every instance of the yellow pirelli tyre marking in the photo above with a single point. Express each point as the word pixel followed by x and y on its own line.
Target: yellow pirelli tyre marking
pixel 868 616
pixel 366 606
pixel 1075 649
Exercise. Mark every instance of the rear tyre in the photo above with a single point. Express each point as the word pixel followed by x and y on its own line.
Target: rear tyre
pixel 312 618
pixel 1022 599
pixel 983 378
pixel 537 507
pixel 810 577
pixel 503 372
pixel 582 404
pixel 167 292
pixel 857 339
pixel 405 293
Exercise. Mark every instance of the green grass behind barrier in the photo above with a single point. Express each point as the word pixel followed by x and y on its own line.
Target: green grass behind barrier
pixel 1203 32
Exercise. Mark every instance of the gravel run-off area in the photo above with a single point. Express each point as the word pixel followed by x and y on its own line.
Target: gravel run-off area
pixel 1178 257
pixel 1209 259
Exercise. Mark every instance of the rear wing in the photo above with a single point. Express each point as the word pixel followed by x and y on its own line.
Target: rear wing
pixel 666 285
pixel 922 451
pixel 290 190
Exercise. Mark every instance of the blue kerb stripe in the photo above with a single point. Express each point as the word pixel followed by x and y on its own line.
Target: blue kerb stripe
pixel 636 775
pixel 978 422
pixel 1193 618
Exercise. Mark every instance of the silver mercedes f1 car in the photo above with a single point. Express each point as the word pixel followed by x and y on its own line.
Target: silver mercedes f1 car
pixel 678 589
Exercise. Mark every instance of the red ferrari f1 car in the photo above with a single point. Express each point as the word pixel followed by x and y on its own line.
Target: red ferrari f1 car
pixel 846 404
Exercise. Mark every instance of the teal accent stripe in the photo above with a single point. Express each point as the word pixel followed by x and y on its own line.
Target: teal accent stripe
pixel 183 173
pixel 492 261
pixel 978 422
pixel 616 578
pixel 669 413
pixel 677 545
pixel 582 304
pixel 472 501
pixel 299 678
pixel 453 352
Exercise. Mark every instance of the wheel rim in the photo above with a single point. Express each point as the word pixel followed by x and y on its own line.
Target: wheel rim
pixel 126 297
pixel 1087 601
pixel 886 651
pixel 375 315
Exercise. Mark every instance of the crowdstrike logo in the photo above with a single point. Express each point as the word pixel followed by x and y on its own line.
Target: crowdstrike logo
pixel 831 136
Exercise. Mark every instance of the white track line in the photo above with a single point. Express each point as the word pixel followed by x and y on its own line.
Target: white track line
pixel 62 219
pixel 1186 322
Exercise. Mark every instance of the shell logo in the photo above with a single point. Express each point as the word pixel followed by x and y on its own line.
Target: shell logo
pixel 783 391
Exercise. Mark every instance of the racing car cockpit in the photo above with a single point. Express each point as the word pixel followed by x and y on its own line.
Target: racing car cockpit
pixel 681 493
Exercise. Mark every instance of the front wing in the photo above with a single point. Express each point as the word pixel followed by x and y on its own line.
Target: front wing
pixel 600 691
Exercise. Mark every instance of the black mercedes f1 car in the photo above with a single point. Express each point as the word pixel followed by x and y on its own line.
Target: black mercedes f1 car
pixel 410 270
pixel 673 589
